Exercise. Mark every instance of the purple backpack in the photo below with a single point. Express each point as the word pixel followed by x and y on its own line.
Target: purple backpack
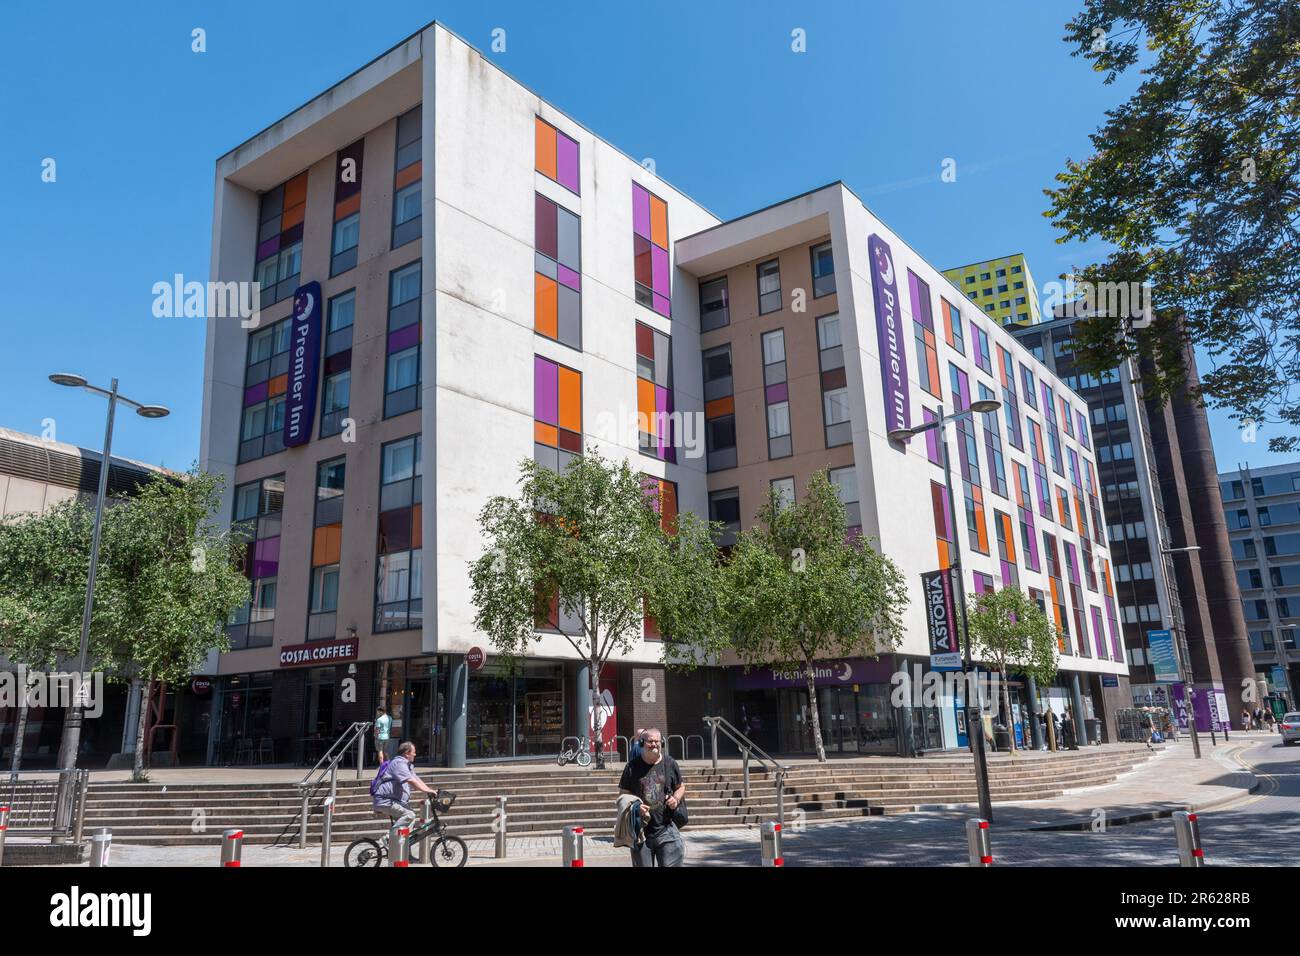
pixel 379 776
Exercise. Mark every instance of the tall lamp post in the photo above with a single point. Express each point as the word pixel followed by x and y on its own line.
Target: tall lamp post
pixel 974 712
pixel 72 725
pixel 1184 656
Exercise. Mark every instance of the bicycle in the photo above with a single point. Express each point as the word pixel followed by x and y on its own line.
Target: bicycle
pixel 444 849
pixel 580 754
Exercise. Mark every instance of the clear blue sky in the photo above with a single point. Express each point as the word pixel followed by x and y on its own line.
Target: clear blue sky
pixel 712 91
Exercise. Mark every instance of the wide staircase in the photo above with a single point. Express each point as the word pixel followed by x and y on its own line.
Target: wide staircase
pixel 543 800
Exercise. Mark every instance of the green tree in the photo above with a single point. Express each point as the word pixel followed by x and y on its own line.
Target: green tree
pixel 168 576
pixel 1010 632
pixel 1195 180
pixel 588 549
pixel 797 589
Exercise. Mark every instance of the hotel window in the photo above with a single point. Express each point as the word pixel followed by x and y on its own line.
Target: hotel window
pixel 258 509
pixel 835 393
pixel 336 388
pixel 970 280
pixel 1243 518
pixel 769 287
pixel 1004 304
pixel 406 179
pixel 719 409
pixel 784 488
pixel 714 313
pixel 984 276
pixel 982 357
pixel 650 251
pixel 661 496
pixel 279 239
pixel 776 395
pixel 724 506
pixel 347 208
pixel 556 155
pixel 1022 317
pixel 952 330
pixel 399 602
pixel 265 383
pixel 1053 433
pixel 402 375
pixel 1002 288
pixel 993 446
pixel 322 623
pixel 968 455
pixel 557 276
pixel 1010 400
pixel 845 482
pixel 945 538
pixel 654 393
pixel 1056 588
pixel 1015 270
pixel 823 270
pixel 557 414
pixel 1018 285
pixel 927 351
pixel 988 292
pixel 1025 510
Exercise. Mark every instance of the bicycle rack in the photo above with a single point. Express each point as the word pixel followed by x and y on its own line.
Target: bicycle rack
pixel 564 748
pixel 689 738
pixel 671 738
pixel 626 752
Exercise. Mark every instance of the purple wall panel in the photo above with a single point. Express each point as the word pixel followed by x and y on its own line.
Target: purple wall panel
pixel 570 278
pixel 270 247
pixel 403 338
pixel 663 305
pixel 567 161
pixel 659 270
pixel 1098 638
pixel 255 394
pixel 779 392
pixel 640 211
pixel 546 391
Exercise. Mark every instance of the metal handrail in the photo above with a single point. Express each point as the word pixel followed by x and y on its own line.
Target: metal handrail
pixel 329 764
pixel 689 738
pixel 669 744
pixel 748 747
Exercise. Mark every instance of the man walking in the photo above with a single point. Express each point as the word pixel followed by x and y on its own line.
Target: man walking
pixel 383 727
pixel 655 779
pixel 393 791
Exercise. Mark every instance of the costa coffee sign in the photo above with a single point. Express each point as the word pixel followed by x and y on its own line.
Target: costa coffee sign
pixel 201 686
pixel 319 652
pixel 475 657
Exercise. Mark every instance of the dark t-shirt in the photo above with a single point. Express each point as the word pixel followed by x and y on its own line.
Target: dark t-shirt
pixel 647 781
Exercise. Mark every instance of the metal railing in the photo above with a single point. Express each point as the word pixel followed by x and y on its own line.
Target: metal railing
pixel 33 799
pixel 748 750
pixel 668 744
pixel 327 768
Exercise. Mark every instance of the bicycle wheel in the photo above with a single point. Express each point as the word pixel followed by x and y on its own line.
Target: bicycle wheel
pixel 449 851
pixel 363 852
pixel 562 759
pixel 584 759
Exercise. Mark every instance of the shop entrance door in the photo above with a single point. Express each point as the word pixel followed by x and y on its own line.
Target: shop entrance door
pixel 419 717
pixel 839 718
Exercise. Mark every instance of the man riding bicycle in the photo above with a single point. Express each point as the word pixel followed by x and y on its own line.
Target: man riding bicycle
pixel 393 793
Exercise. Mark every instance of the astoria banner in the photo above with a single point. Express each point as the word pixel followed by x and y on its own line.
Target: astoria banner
pixel 940 616
pixel 304 359
pixel 889 335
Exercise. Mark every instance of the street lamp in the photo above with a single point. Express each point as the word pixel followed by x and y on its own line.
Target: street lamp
pixel 1184 655
pixel 974 715
pixel 72 726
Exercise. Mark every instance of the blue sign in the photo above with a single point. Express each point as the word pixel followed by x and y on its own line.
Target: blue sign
pixel 304 359
pixel 1109 680
pixel 1160 648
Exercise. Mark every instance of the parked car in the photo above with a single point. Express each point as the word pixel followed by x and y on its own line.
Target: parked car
pixel 1290 728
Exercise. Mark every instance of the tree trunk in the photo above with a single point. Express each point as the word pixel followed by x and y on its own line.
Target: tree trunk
pixel 815 717
pixel 1011 718
pixel 137 771
pixel 1051 731
pixel 20 728
pixel 596 726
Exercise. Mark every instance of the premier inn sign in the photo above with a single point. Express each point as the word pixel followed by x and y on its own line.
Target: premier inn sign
pixel 304 358
pixel 319 652
pixel 940 617
pixel 889 335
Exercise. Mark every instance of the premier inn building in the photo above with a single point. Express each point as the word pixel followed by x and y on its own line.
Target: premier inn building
pixel 456 276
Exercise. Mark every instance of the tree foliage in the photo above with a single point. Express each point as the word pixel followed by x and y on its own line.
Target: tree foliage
pixel 167 577
pixel 1195 180
pixel 797 589
pixel 1009 632
pixel 588 549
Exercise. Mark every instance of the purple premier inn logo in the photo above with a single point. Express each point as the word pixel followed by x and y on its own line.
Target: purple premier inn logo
pixel 304 358
pixel 893 359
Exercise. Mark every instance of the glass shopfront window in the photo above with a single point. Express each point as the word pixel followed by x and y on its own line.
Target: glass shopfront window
pixel 515 712
pixel 415 694
pixel 245 715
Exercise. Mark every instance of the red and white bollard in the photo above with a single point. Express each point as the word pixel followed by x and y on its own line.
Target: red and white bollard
pixel 232 847
pixel 977 841
pixel 771 841
pixel 4 828
pixel 399 845
pixel 1188 832
pixel 573 838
